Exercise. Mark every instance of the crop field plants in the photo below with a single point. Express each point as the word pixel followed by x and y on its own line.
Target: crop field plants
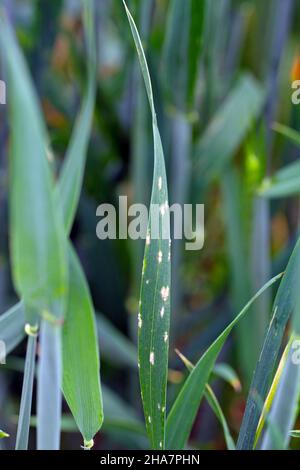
pixel 149 225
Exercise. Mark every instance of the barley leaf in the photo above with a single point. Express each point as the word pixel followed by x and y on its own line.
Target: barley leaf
pixel 48 387
pixel 284 183
pixel 228 128
pixel 154 315
pixel 284 304
pixel 37 238
pixel 115 346
pixel 227 373
pixel 291 134
pixel 182 415
pixel 71 176
pixel 215 406
pixel 213 403
pixel 271 394
pixel 81 382
pixel 12 325
pixel 295 433
pixel 284 406
pixel 26 399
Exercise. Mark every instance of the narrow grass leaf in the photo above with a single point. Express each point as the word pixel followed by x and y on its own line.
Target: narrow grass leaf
pixel 291 134
pixel 215 406
pixel 12 325
pixel 284 304
pixel 26 398
pixel 284 183
pixel 182 415
pixel 227 373
pixel 228 128
pixel 154 315
pixel 81 369
pixel 37 238
pixel 71 176
pixel 49 387
pixel 3 434
pixel 213 403
pixel 295 433
pixel 285 403
pixel 81 382
pixel 271 395
pixel 284 406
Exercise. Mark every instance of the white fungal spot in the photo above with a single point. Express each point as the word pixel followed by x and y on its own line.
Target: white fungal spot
pixel 159 256
pixel 170 242
pixel 160 444
pixel 162 209
pixel 144 266
pixel 139 365
pixel 165 292
pixel 166 336
pixel 149 419
pixel 151 358
pixel 140 321
pixel 162 312
pixel 148 239
pixel 147 282
pixel 169 256
pixel 158 406
pixel 159 183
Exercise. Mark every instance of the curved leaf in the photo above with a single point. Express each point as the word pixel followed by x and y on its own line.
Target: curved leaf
pixel 26 399
pixel 36 230
pixel 182 415
pixel 284 304
pixel 81 381
pixel 154 315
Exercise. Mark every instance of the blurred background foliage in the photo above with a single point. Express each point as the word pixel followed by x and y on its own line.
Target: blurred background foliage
pixel 222 73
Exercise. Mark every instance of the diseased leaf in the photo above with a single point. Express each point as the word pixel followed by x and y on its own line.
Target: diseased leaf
pixel 154 315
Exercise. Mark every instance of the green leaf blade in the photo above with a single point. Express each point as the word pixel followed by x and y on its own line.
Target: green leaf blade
pixel 37 238
pixel 81 380
pixel 26 400
pixel 182 415
pixel 154 315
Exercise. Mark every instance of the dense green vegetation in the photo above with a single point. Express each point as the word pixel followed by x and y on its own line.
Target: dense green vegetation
pixel 175 102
